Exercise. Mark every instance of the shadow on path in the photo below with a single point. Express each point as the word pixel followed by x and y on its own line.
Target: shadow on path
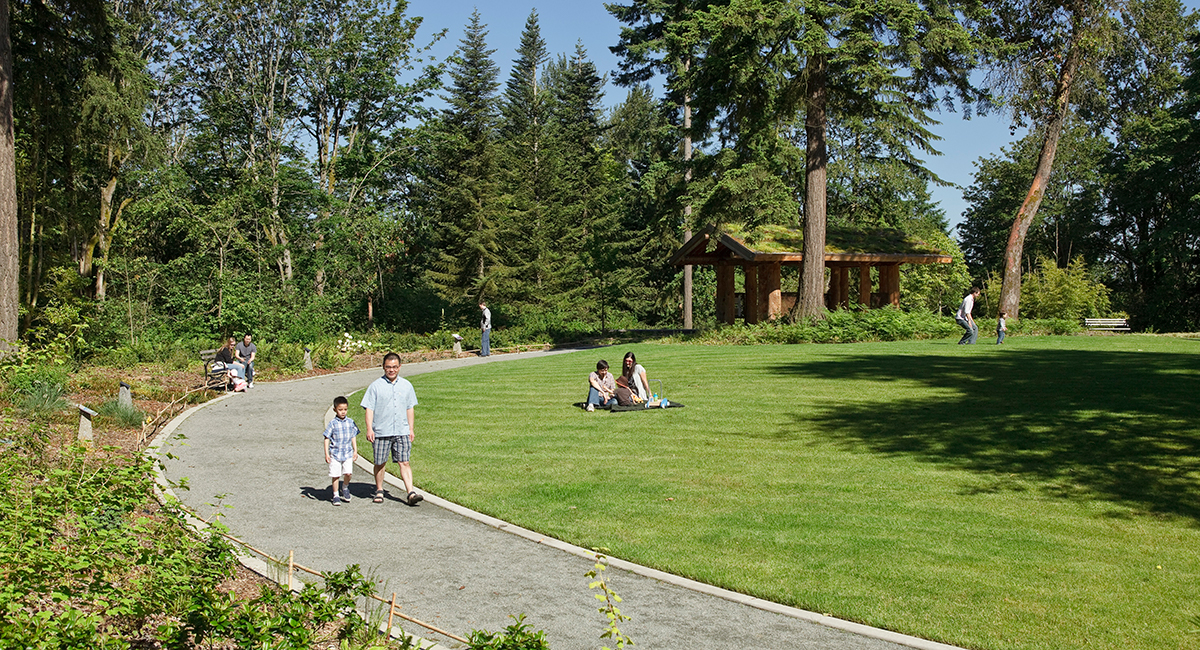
pixel 1119 426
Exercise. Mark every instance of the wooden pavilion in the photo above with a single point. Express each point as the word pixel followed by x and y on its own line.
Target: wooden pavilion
pixel 763 252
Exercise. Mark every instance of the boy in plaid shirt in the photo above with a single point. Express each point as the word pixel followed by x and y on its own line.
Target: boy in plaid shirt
pixel 341 446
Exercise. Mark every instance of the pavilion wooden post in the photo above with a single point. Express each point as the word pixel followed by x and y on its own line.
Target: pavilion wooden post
pixel 726 300
pixel 864 285
pixel 750 308
pixel 770 285
pixel 834 294
pixel 843 297
pixel 890 288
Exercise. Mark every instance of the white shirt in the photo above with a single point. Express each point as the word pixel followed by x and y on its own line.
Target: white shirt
pixel 968 303
pixel 643 390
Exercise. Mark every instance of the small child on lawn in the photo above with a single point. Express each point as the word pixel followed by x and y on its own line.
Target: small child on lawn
pixel 341 446
pixel 1001 328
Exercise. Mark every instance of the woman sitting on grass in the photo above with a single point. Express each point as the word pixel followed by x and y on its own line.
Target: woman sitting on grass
pixel 635 376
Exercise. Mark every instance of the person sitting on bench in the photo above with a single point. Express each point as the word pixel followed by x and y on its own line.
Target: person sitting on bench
pixel 226 358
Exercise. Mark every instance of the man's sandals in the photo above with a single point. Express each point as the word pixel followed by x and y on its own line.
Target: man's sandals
pixel 413 498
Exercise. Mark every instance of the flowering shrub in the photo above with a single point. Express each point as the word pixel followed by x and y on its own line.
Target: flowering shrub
pixel 351 345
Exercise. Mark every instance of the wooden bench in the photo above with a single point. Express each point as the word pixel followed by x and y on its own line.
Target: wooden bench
pixel 214 378
pixel 1107 324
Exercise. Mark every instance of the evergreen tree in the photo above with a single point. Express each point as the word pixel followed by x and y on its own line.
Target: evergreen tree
pixel 523 129
pixel 465 180
pixel 762 64
pixel 643 142
pixel 582 225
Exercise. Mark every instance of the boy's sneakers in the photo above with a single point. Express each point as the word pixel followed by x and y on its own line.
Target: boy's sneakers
pixel 346 494
pixel 250 385
pixel 336 500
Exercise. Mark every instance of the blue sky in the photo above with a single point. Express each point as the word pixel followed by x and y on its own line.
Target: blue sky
pixel 564 23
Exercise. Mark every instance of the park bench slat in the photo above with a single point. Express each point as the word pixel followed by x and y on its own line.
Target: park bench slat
pixel 1107 324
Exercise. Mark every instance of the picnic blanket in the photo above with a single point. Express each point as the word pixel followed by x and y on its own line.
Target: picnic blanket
pixel 622 409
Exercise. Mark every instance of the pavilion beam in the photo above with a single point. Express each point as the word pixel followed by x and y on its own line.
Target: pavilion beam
pixel 864 285
pixel 750 308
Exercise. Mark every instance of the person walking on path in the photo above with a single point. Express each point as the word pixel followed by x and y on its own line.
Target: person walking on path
pixel 389 403
pixel 485 326
pixel 964 319
pixel 246 351
pixel 341 446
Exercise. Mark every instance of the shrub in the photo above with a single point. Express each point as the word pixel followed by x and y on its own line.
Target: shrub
pixel 1050 292
pixel 846 326
pixel 517 636
pixel 44 398
pixel 281 354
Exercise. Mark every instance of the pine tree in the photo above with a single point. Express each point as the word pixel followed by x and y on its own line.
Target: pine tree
pixel 587 232
pixel 523 127
pixel 465 179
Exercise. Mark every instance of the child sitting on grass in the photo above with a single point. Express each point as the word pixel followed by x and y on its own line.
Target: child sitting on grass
pixel 341 446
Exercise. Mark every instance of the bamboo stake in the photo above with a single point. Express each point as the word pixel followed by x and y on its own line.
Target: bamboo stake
pixel 291 567
pixel 391 611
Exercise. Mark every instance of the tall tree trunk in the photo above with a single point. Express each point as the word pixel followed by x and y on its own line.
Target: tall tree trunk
pixel 811 301
pixel 10 246
pixel 1010 289
pixel 687 209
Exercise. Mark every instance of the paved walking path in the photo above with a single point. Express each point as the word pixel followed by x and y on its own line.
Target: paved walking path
pixel 259 456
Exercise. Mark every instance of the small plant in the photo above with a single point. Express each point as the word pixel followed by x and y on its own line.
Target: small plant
pixel 127 416
pixel 609 600
pixel 44 398
pixel 517 636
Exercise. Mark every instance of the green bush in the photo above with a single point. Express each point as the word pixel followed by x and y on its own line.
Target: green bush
pixel 1052 293
pixel 123 357
pixel 844 326
pixel 85 566
pixel 517 636
pixel 289 356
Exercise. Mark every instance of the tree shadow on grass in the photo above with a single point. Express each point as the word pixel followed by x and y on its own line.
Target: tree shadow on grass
pixel 1119 426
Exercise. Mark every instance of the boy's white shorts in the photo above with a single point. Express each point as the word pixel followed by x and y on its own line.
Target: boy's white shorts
pixel 341 467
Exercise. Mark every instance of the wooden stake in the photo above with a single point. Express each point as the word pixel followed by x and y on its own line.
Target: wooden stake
pixel 291 567
pixel 391 612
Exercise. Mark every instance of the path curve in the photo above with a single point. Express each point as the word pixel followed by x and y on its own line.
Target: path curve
pixel 256 458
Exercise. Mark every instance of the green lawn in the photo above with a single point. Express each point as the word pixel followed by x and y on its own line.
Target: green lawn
pixel 1040 494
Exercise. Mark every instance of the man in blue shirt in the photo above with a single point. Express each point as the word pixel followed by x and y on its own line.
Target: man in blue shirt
pixel 389 403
